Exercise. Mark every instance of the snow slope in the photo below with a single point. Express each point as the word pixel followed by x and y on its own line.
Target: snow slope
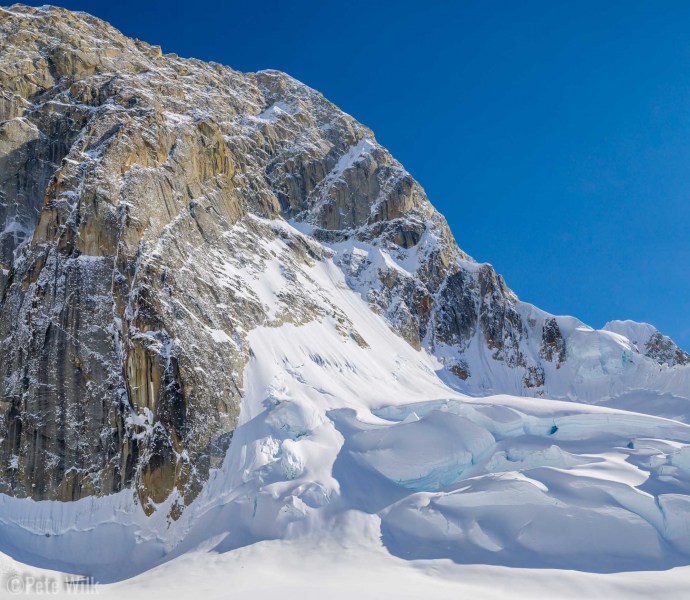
pixel 584 365
pixel 353 452
pixel 358 566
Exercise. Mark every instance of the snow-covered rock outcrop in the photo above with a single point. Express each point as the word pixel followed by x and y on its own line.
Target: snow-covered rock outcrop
pixel 651 342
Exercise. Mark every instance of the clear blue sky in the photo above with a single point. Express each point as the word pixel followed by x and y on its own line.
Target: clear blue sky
pixel 554 135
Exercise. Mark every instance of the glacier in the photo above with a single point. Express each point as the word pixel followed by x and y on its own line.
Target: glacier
pixel 335 448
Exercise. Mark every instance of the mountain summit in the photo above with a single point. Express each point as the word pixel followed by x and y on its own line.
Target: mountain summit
pixel 224 305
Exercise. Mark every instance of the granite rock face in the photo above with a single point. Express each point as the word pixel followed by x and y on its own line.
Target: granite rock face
pixel 132 184
pixel 141 197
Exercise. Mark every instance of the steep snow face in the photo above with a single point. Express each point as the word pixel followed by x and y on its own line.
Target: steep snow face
pixel 638 333
pixel 490 342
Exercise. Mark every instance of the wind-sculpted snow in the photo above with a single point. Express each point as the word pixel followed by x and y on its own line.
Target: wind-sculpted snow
pixel 422 454
pixel 548 499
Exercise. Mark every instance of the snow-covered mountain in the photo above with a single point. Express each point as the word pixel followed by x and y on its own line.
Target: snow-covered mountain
pixel 229 316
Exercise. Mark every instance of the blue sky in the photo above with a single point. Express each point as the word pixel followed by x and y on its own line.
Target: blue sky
pixel 554 136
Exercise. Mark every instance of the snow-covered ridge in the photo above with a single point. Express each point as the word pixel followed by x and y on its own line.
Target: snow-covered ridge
pixel 651 342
